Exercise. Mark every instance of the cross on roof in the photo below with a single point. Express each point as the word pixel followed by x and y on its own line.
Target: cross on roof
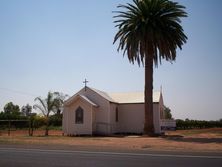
pixel 85 82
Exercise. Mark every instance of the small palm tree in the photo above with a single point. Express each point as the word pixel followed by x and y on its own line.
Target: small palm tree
pixel 150 30
pixel 46 106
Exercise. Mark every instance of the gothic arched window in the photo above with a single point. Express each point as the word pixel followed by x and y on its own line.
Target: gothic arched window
pixel 79 115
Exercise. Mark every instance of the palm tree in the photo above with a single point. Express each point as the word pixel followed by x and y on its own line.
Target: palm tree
pixel 148 31
pixel 46 106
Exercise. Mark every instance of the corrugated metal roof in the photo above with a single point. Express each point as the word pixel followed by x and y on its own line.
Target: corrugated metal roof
pixel 88 100
pixel 129 97
pixel 82 97
pixel 103 94
pixel 133 97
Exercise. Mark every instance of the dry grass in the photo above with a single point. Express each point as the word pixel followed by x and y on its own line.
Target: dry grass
pixel 182 140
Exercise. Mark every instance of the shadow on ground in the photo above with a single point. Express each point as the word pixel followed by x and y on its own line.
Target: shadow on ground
pixel 194 140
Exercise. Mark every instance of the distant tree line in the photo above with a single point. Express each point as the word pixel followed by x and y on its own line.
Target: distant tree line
pixel 192 124
pixel 51 108
pixel 19 118
pixel 197 124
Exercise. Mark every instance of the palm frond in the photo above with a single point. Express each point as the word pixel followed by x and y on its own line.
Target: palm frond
pixel 150 28
pixel 40 107
pixel 42 102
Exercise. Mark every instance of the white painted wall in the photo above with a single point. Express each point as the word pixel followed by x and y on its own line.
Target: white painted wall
pixel 131 118
pixel 100 115
pixel 112 114
pixel 65 120
pixel 103 118
pixel 69 125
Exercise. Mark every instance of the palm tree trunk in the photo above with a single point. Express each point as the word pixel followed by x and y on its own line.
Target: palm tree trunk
pixel 148 124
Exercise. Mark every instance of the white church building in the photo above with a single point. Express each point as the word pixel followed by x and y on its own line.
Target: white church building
pixel 91 111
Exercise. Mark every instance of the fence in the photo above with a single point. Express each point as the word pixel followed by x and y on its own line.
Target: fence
pixel 9 126
pixel 168 124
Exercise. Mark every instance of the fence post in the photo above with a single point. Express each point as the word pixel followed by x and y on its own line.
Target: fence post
pixel 9 127
pixel 29 127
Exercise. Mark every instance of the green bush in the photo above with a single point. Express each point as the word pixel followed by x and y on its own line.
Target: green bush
pixel 38 121
pixel 55 120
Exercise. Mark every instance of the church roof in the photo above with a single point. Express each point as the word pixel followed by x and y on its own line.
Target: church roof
pixel 129 97
pixel 88 100
pixel 121 98
pixel 133 97
pixel 81 97
pixel 103 94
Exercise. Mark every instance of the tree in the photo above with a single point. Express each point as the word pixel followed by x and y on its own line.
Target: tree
pixel 59 101
pixel 167 112
pixel 149 31
pixel 12 111
pixel 26 110
pixel 56 119
pixel 52 103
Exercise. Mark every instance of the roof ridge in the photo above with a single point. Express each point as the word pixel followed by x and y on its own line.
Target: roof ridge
pixel 155 91
pixel 103 94
pixel 122 97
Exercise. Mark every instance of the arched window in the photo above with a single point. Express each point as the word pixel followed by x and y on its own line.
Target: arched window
pixel 79 115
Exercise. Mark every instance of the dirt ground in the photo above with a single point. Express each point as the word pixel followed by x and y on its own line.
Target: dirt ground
pixel 204 140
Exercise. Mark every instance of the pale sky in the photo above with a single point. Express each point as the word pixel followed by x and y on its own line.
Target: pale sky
pixel 55 44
